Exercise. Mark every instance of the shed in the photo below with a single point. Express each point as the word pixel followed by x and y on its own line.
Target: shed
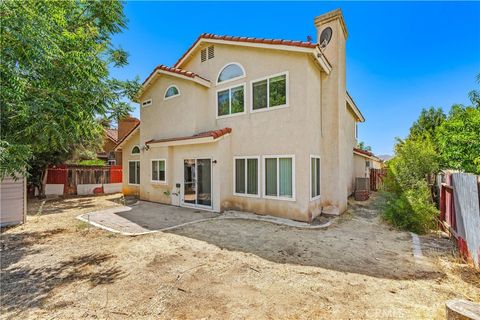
pixel 13 201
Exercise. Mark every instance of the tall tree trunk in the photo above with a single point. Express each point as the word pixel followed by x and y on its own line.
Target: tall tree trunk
pixel 43 182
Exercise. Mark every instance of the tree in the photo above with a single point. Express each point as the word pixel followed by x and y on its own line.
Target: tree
pixel 54 73
pixel 426 124
pixel 459 139
pixel 361 145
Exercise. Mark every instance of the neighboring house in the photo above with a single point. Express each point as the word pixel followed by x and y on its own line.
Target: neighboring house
pixel 259 125
pixel 112 137
pixel 364 161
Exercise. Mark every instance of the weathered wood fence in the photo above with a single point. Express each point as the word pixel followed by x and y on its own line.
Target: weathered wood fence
pixel 376 178
pixel 460 211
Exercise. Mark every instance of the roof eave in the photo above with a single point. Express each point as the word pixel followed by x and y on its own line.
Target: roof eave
pixel 125 139
pixel 150 80
pixel 283 47
pixel 354 108
pixel 200 140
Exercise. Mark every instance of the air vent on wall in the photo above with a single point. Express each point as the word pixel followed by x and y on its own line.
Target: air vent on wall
pixel 211 52
pixel 146 103
pixel 203 55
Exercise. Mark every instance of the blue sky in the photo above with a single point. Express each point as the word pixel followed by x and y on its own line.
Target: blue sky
pixel 401 56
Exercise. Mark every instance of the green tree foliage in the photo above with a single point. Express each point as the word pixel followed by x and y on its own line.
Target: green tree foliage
pixel 409 204
pixel 426 124
pixel 459 139
pixel 54 72
pixel 361 145
pixel 414 160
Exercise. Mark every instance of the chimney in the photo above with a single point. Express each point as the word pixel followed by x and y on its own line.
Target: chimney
pixel 333 106
pixel 125 126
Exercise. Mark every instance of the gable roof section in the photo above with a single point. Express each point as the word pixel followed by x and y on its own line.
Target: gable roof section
pixel 354 108
pixel 204 137
pixel 127 136
pixel 279 44
pixel 176 72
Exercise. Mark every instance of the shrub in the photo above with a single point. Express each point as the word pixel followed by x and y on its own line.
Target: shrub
pixel 411 209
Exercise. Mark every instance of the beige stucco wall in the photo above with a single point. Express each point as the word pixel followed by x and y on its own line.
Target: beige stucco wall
pixel 315 122
pixel 127 155
pixel 360 168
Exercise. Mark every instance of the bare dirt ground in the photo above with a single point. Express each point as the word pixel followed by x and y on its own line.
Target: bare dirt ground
pixel 58 267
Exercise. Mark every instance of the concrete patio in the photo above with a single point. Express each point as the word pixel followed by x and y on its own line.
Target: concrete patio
pixel 147 217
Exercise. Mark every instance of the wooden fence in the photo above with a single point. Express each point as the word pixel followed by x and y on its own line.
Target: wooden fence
pixel 73 175
pixel 376 178
pixel 460 212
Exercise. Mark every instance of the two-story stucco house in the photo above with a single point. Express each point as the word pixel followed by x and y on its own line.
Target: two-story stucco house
pixel 258 125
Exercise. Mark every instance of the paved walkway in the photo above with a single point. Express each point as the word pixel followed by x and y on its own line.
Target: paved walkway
pixel 146 217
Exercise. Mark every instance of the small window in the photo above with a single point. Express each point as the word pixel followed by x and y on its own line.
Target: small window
pixel 367 164
pixel 136 150
pixel 112 162
pixel 134 172
pixel 171 92
pixel 314 177
pixel 231 72
pixel 147 103
pixel 159 170
pixel 279 182
pixel 231 101
pixel 246 176
pixel 270 92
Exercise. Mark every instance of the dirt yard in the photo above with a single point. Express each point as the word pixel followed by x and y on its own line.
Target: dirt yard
pixel 56 266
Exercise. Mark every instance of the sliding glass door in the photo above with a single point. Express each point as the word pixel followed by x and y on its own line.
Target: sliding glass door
pixel 197 186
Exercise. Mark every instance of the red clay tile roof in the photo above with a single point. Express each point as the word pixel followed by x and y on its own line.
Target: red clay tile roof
pixel 367 153
pixel 112 134
pixel 215 134
pixel 174 70
pixel 303 44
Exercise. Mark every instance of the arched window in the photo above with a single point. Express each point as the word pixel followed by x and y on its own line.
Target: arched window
pixel 171 92
pixel 136 150
pixel 230 72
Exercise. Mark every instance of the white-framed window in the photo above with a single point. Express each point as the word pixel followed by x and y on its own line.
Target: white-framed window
pixel 134 172
pixel 171 92
pixel 135 150
pixel 314 177
pixel 231 72
pixel 246 176
pixel 146 103
pixel 159 170
pixel 112 162
pixel 279 177
pixel 231 101
pixel 270 93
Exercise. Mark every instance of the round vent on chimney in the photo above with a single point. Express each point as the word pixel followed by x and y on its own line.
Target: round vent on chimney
pixel 325 37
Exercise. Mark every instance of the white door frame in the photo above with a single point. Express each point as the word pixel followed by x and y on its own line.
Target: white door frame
pixel 182 189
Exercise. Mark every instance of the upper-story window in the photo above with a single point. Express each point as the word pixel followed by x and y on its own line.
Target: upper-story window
pixel 231 72
pixel 136 150
pixel 270 92
pixel 171 92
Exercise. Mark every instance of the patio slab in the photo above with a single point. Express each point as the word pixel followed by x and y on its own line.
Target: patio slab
pixel 145 217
